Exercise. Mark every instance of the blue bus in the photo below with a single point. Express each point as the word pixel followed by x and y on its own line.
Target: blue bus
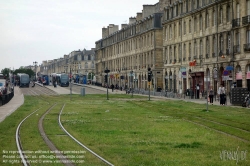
pixel 23 80
pixel 62 80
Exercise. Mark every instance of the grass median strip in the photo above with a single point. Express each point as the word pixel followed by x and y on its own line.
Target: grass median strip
pixel 134 131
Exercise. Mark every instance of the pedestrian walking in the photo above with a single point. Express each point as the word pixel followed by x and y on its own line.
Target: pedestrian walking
pixel 222 94
pixel 112 87
pixel 211 95
pixel 198 91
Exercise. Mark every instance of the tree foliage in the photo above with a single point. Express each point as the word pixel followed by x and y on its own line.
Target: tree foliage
pixel 5 71
pixel 23 70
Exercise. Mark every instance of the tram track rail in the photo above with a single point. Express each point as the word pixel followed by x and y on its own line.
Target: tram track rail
pixel 49 143
pixel 18 140
pixel 78 142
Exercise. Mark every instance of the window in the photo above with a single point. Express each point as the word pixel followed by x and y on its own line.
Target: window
pixel 208 46
pixel 238 10
pixel 228 14
pixel 221 16
pixel 174 31
pixel 170 53
pixel 190 26
pixel 170 32
pixel 86 57
pixel 180 29
pixel 184 51
pixel 214 46
pixel 166 54
pixel 93 65
pixel 221 43
pixel 86 65
pixel 201 22
pixel 184 28
pixel 207 20
pixel 229 42
pixel 195 48
pixel 248 7
pixel 237 38
pixel 166 33
pixel 214 18
pixel 248 36
pixel 189 51
pixel 201 48
pixel 195 24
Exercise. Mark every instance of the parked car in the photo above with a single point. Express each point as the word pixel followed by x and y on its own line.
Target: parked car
pixel 2 86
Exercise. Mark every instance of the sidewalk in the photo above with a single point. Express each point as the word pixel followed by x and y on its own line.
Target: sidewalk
pixel 60 90
pixel 12 105
pixel 187 98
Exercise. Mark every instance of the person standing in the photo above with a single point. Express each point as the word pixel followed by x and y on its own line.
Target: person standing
pixel 221 92
pixel 112 87
pixel 198 91
pixel 211 95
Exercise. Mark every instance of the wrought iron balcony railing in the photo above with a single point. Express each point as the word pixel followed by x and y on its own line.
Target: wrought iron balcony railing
pixel 247 47
pixel 246 20
pixel 236 22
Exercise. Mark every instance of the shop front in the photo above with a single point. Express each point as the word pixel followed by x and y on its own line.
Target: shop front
pixel 197 80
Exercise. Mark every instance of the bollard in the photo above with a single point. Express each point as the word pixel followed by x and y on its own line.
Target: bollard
pixel 83 91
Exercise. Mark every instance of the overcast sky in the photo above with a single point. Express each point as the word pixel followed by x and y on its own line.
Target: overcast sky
pixel 37 30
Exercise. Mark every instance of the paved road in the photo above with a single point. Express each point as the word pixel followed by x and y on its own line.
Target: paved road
pixel 37 90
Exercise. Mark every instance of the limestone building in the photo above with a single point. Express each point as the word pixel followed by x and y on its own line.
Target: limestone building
pixel 130 51
pixel 206 42
pixel 77 62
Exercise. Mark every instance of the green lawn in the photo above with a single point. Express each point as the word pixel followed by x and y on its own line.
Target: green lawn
pixel 135 131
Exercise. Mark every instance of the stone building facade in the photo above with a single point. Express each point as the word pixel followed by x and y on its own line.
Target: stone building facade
pixel 76 62
pixel 130 51
pixel 206 42
pixel 184 42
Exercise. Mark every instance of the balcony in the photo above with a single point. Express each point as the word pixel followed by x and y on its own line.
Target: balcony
pixel 236 48
pixel 236 22
pixel 246 20
pixel 247 47
pixel 207 56
pixel 200 56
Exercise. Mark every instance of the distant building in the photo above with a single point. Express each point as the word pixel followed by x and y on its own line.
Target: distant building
pixel 77 62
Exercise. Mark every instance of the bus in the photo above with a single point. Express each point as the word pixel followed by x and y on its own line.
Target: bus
pixel 62 79
pixel 23 80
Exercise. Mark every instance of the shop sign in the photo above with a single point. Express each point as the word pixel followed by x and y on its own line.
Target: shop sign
pixel 229 68
pixel 248 75
pixel 225 73
pixel 183 69
pixel 239 76
pixel 184 74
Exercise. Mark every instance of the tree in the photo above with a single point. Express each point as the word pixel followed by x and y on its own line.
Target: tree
pixel 26 71
pixel 6 72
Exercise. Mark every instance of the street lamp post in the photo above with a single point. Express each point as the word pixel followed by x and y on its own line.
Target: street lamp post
pixel 35 64
pixel 131 81
pixel 106 79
